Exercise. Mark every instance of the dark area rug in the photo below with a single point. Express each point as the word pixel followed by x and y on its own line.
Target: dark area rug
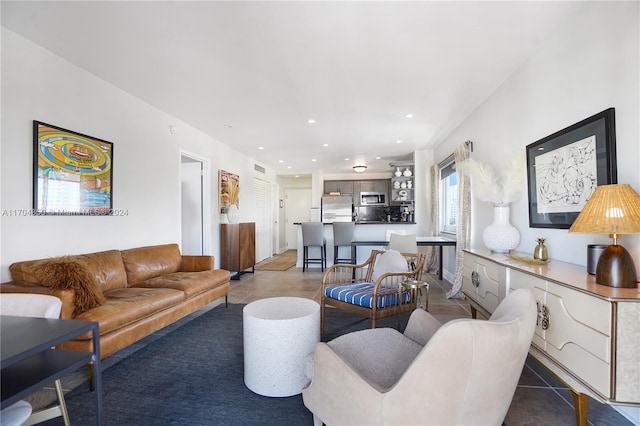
pixel 194 376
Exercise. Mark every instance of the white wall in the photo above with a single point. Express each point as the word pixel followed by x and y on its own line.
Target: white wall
pixel 589 65
pixel 37 85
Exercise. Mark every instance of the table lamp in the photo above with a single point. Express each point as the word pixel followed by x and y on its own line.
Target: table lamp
pixel 613 210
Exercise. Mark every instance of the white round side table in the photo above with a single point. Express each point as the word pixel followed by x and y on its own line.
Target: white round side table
pixel 279 333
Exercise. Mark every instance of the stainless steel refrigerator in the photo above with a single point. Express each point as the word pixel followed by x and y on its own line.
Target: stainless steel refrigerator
pixel 337 208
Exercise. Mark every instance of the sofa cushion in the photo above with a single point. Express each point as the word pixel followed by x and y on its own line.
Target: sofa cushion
pixel 191 283
pixel 125 306
pixel 144 263
pixel 69 272
pixel 106 266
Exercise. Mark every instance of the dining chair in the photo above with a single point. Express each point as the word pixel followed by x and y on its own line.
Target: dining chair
pixel 403 243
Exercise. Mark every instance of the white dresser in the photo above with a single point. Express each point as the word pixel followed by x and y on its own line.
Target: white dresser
pixel 586 333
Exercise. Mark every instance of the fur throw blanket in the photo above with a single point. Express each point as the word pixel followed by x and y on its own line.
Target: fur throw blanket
pixel 68 272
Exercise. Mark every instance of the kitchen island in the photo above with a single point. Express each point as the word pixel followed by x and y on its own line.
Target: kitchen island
pixel 373 235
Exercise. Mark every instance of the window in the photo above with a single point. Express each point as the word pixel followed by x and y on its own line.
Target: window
pixel 448 196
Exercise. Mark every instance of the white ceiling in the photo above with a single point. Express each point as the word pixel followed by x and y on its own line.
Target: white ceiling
pixel 251 74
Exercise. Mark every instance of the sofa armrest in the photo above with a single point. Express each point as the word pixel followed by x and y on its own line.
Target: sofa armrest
pixel 338 394
pixel 196 263
pixel 67 296
pixel 421 326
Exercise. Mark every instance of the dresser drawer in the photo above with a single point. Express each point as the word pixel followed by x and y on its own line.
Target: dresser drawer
pixel 579 335
pixel 483 281
pixel 578 329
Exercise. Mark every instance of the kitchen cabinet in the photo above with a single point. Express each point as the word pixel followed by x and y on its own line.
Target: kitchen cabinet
pixel 402 182
pixel 380 186
pixel 340 186
pixel 238 247
pixel 586 333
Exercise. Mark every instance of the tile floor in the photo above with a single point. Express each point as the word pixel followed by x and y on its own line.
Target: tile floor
pixel 541 398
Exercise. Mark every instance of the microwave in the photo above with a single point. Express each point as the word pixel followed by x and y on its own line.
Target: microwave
pixel 373 199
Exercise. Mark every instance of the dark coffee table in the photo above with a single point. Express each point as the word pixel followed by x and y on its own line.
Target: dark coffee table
pixel 29 361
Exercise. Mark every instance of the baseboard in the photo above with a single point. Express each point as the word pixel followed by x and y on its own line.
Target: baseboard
pixel 630 413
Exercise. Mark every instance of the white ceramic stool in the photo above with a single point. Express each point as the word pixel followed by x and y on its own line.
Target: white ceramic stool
pixel 279 333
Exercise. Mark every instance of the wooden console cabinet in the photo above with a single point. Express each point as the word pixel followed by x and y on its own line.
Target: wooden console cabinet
pixel 587 334
pixel 238 247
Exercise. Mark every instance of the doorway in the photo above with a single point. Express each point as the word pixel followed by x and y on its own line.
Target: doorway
pixel 297 209
pixel 263 213
pixel 193 202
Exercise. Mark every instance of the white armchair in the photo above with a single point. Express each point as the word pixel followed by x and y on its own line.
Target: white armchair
pixel 463 372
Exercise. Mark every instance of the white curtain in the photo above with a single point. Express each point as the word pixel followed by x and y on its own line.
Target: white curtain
pixel 431 264
pixel 463 225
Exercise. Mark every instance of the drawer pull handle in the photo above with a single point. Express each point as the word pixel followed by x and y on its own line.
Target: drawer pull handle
pixel 475 279
pixel 545 317
pixel 539 313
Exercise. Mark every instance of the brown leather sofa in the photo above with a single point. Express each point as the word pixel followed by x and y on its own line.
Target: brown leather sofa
pixel 145 289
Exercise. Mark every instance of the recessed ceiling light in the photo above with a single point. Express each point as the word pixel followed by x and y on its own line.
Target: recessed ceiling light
pixel 311 121
pixel 377 158
pixel 261 147
pixel 398 141
pixel 288 167
pixel 346 158
pixel 313 159
pixel 409 116
pixel 325 144
pixel 280 161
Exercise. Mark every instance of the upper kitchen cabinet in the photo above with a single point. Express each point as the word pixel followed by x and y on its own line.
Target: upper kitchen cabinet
pixel 402 182
pixel 373 186
pixel 376 185
pixel 340 186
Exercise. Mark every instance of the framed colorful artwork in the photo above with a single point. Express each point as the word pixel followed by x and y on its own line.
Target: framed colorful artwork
pixel 72 172
pixel 229 190
pixel 564 169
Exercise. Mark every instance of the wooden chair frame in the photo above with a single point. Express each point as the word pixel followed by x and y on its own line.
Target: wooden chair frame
pixel 386 284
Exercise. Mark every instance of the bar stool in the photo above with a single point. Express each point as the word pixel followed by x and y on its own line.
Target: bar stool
pixel 343 233
pixel 313 236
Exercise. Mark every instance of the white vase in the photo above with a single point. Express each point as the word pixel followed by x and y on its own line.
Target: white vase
pixel 407 172
pixel 501 236
pixel 224 218
pixel 233 214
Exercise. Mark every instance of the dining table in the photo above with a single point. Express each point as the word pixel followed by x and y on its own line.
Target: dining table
pixel 439 242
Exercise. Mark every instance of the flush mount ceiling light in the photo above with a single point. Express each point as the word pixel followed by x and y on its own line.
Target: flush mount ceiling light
pixel 359 169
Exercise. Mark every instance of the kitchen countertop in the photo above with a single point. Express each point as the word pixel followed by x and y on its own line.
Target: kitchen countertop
pixel 383 222
pixel 372 223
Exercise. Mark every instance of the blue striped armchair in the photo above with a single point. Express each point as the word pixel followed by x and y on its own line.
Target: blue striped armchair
pixel 372 289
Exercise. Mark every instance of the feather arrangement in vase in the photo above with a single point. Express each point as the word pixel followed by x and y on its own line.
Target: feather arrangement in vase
pixel 493 188
pixel 233 192
pixel 500 236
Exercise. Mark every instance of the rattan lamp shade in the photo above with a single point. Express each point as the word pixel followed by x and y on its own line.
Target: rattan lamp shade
pixel 614 210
